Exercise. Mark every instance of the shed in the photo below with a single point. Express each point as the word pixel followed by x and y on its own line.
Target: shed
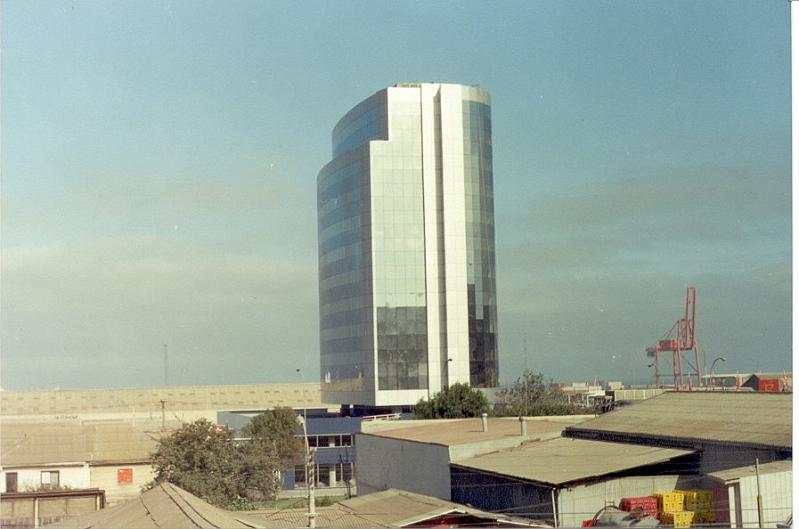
pixel 735 493
pixel 565 480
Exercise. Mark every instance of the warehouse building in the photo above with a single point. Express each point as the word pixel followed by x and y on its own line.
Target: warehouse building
pixel 152 406
pixel 415 455
pixel 726 429
pixel 565 480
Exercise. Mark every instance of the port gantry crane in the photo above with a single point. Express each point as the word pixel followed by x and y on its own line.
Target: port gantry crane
pixel 678 340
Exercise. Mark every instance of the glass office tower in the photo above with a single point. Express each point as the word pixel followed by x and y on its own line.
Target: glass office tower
pixel 407 284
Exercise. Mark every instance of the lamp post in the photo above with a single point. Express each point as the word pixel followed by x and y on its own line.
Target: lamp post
pixel 712 382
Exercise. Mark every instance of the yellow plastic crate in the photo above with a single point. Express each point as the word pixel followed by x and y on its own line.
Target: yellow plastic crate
pixel 705 517
pixel 670 501
pixel 698 500
pixel 677 519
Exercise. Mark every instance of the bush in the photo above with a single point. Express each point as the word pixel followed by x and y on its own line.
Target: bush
pixel 452 402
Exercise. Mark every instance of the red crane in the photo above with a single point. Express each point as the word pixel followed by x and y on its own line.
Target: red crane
pixel 680 339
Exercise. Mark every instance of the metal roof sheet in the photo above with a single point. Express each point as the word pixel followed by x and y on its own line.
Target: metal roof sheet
pixel 466 431
pixel 743 418
pixel 388 508
pixel 749 470
pixel 564 460
pixel 165 505
pixel 51 444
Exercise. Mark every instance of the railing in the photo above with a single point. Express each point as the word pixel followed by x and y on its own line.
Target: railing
pixel 383 417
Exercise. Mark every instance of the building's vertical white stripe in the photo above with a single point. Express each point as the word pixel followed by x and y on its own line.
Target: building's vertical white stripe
pixel 432 202
pixel 454 205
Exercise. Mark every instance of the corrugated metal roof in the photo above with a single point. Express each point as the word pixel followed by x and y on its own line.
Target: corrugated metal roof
pixel 466 431
pixel 741 418
pixel 749 470
pixel 564 460
pixel 388 508
pixel 49 444
pixel 165 505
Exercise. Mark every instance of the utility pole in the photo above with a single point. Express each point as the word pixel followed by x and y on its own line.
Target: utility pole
pixel 163 415
pixel 311 488
pixel 759 497
pixel 525 351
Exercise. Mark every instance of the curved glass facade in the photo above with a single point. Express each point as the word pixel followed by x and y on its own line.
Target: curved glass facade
pixel 406 247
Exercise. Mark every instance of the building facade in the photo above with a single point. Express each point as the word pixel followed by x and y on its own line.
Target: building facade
pixel 407 281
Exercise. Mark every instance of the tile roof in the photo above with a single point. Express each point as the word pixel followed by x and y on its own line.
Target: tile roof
pixel 742 418
pixel 564 460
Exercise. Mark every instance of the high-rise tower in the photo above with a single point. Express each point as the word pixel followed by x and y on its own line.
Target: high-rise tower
pixel 407 284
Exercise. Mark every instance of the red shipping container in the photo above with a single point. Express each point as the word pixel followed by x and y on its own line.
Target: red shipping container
pixel 771 385
pixel 648 504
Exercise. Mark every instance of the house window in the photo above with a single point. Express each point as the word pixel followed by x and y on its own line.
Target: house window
pixel 346 440
pixel 124 476
pixel 11 482
pixel 50 479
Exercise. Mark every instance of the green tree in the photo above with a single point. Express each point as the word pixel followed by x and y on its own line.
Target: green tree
pixel 277 428
pixel 532 394
pixel 452 402
pixel 203 458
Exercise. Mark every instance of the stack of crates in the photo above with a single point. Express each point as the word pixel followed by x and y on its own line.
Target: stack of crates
pixel 701 502
pixel 670 507
pixel 649 504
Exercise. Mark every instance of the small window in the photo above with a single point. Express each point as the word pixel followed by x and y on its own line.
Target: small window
pixel 50 479
pixel 11 482
pixel 323 441
pixel 346 440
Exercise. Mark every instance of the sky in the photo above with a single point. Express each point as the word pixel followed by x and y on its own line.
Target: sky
pixel 159 163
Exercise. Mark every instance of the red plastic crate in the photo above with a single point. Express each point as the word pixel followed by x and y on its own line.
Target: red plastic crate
pixel 648 504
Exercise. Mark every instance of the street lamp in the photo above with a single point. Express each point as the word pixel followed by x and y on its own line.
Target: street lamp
pixel 712 382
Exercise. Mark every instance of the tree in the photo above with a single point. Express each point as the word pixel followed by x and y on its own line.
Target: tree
pixel 203 458
pixel 530 395
pixel 452 402
pixel 277 428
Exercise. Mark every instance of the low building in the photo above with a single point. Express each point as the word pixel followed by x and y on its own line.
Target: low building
pixel 415 455
pixel 726 429
pixel 736 491
pixel 332 436
pixel 114 458
pixel 565 480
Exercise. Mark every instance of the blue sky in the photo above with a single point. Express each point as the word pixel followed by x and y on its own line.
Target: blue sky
pixel 159 165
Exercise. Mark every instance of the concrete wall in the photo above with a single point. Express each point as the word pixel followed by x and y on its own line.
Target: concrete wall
pixel 29 479
pixel 394 463
pixel 105 478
